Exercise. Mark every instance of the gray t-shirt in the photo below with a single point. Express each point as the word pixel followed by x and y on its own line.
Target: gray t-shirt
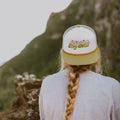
pixel 98 97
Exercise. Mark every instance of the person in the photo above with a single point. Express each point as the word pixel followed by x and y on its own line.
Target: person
pixel 79 91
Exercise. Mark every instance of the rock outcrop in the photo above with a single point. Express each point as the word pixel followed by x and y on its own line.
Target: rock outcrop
pixel 25 106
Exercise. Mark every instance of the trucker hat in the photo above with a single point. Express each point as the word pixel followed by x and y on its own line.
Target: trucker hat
pixel 79 45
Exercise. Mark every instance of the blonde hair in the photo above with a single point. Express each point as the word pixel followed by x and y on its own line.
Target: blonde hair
pixel 74 77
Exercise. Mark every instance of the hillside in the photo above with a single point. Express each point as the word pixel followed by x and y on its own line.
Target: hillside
pixel 41 55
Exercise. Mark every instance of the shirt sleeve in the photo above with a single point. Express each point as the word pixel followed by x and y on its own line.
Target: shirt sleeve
pixel 116 100
pixel 41 109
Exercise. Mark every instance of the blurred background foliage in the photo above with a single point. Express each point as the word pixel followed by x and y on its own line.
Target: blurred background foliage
pixel 41 55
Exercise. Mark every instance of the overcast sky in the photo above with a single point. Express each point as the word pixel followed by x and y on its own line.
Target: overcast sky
pixel 21 21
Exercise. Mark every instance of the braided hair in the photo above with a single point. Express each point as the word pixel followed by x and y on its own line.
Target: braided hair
pixel 73 85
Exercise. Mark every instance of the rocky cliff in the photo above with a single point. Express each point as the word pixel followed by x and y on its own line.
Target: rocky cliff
pixel 25 106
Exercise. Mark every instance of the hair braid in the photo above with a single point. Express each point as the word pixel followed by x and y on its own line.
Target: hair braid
pixel 74 77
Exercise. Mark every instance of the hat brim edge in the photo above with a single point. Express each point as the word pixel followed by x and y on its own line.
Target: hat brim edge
pixel 81 59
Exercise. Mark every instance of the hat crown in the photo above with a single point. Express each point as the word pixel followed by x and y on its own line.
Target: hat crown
pixel 79 39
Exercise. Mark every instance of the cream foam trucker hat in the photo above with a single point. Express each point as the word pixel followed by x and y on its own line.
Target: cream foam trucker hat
pixel 79 45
